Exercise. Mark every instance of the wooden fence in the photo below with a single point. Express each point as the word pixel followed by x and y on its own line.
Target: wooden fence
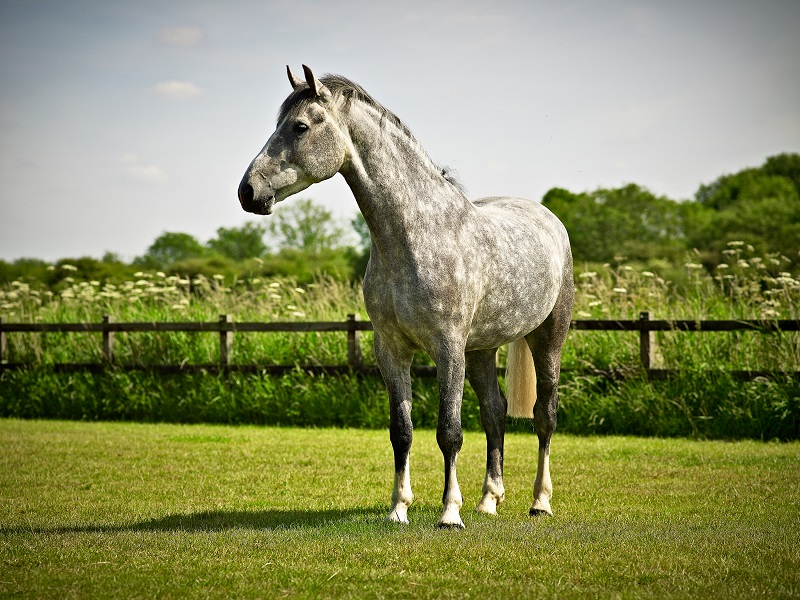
pixel 225 328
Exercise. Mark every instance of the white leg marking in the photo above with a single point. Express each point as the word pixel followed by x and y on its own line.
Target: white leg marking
pixel 451 517
pixel 493 494
pixel 402 497
pixel 542 487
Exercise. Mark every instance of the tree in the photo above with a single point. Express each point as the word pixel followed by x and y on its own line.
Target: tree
pixel 628 221
pixel 360 257
pixel 760 206
pixel 240 243
pixel 169 248
pixel 304 225
pixel 784 165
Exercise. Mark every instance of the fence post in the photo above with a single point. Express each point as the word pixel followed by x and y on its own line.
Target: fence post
pixel 225 340
pixel 645 341
pixel 353 347
pixel 108 340
pixel 3 343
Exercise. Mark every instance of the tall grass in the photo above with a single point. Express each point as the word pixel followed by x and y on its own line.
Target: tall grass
pixel 702 401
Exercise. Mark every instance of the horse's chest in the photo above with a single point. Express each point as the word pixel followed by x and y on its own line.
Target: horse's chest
pixel 422 298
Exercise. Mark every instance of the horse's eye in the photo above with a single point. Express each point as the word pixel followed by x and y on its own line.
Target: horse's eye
pixel 300 127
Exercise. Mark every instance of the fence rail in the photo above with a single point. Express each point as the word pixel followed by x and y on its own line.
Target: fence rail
pixel 225 327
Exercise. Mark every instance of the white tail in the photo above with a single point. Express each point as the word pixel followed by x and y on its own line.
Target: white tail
pixel 520 380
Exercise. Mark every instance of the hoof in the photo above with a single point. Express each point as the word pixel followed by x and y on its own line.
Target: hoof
pixel 488 504
pixel 451 518
pixel 443 525
pixel 486 508
pixel 398 515
pixel 541 506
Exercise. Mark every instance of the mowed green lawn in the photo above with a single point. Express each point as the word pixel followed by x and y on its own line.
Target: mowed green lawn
pixel 100 510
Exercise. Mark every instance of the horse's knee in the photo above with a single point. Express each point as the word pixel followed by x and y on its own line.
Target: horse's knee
pixel 450 437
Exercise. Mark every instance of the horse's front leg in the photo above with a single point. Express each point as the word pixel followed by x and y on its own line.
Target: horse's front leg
pixel 450 368
pixel 395 364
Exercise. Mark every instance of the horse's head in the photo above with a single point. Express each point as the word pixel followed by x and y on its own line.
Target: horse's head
pixel 307 147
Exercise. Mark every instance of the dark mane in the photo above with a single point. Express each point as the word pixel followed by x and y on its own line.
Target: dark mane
pixel 350 90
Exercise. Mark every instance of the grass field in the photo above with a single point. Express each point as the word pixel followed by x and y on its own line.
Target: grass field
pixel 103 510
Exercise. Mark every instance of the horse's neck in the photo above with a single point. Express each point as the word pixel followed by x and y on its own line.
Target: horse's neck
pixel 401 193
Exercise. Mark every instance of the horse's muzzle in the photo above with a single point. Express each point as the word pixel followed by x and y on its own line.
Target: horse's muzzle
pixel 251 204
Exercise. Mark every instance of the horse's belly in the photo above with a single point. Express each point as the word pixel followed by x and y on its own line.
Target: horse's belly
pixel 496 324
pixel 523 274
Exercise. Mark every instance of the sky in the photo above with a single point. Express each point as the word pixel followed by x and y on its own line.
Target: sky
pixel 122 120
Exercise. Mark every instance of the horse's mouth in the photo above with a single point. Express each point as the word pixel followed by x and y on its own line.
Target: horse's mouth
pixel 266 205
pixel 258 206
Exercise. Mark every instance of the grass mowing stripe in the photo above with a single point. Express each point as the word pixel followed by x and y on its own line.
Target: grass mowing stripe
pixel 141 510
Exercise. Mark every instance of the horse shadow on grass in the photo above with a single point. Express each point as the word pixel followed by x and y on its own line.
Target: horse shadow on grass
pixel 224 520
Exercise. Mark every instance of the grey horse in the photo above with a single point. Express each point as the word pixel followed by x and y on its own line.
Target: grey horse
pixel 449 276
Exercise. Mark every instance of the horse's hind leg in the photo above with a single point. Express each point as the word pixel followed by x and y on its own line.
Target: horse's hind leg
pixel 545 343
pixel 395 366
pixel 482 374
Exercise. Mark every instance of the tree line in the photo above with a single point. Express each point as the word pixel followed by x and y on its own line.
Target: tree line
pixel 759 206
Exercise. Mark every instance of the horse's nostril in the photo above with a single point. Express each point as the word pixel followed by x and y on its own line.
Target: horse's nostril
pixel 246 194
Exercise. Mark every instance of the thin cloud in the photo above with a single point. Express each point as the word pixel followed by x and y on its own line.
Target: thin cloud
pixel 151 173
pixel 182 37
pixel 136 169
pixel 177 90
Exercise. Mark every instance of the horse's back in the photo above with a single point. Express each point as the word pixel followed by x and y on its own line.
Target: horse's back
pixel 525 215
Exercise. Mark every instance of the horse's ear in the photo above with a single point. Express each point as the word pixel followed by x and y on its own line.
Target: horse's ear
pixel 319 89
pixel 296 83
